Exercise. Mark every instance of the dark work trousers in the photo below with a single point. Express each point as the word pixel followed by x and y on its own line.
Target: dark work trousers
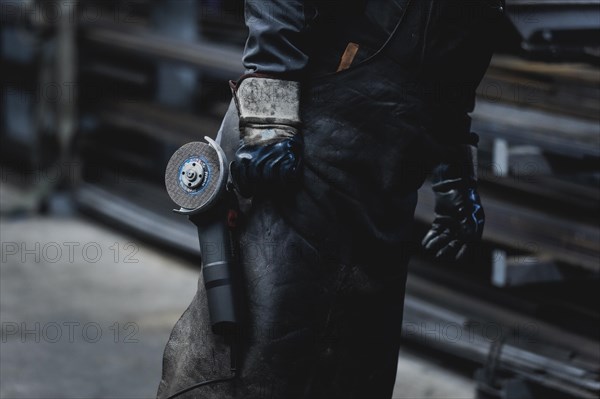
pixel 324 266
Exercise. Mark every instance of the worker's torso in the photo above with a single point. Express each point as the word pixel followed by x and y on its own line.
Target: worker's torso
pixel 438 50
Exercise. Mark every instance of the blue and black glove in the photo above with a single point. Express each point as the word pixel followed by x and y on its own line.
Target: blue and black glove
pixel 270 152
pixel 459 215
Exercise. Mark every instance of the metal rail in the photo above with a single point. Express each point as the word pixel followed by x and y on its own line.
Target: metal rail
pixel 215 57
pixel 160 227
pixel 560 134
pixel 451 321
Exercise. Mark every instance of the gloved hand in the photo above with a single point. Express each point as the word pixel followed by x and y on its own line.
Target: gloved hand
pixel 459 214
pixel 269 156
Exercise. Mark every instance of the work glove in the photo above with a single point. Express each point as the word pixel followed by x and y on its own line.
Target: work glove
pixel 459 216
pixel 269 156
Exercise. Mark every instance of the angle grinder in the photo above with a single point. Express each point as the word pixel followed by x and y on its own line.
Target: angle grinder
pixel 196 180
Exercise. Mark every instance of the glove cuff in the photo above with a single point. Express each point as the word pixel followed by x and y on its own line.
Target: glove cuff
pixel 266 134
pixel 267 101
pixel 462 166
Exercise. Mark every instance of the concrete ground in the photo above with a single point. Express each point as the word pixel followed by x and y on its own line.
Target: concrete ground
pixel 86 311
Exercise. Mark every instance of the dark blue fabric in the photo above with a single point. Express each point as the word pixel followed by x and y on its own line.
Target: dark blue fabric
pixel 268 168
pixel 276 37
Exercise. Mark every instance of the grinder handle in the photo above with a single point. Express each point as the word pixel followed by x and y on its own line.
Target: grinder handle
pixel 218 268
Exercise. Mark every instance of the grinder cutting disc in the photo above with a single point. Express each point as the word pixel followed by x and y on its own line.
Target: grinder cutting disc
pixel 196 175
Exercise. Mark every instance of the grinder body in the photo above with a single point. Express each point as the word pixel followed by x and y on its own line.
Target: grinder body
pixel 218 266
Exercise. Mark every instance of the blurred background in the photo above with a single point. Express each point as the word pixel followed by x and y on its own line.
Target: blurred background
pixel 95 269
